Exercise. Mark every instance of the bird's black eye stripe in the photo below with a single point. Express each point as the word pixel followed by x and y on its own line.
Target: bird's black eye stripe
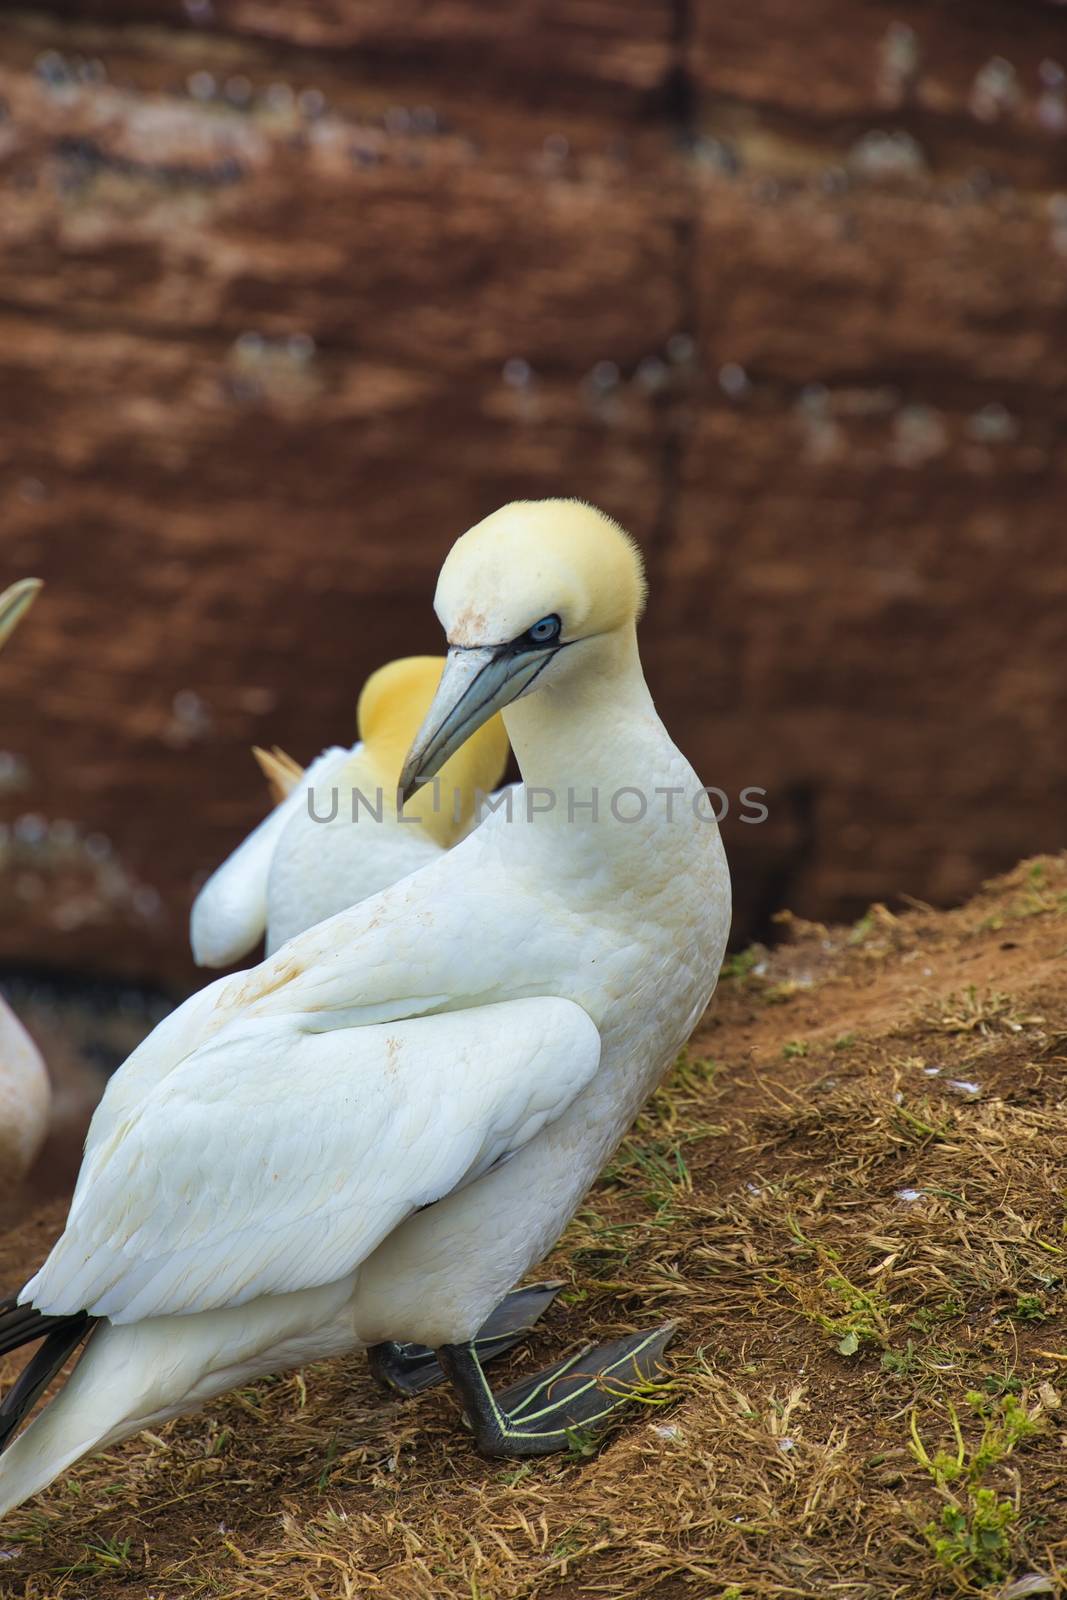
pixel 542 636
pixel 544 632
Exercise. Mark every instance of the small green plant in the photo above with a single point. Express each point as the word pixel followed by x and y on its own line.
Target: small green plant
pixel 862 1316
pixel 929 1317
pixel 1006 1423
pixel 33 1528
pixel 927 1122
pixel 997 1383
pixel 844 1041
pixel 901 1363
pixel 975 1539
pixel 101 1559
pixel 926 1361
pixel 1029 1308
pixel 852 1316
pixel 973 1536
pixel 658 1172
pixel 582 1443
pixel 794 1047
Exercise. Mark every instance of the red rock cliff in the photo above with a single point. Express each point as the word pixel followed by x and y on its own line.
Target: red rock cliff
pixel 290 295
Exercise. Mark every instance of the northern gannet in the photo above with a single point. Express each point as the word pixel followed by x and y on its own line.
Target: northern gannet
pixel 25 1097
pixel 335 838
pixel 369 1138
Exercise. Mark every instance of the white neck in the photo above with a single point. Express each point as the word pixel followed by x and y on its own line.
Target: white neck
pixel 592 725
pixel 597 730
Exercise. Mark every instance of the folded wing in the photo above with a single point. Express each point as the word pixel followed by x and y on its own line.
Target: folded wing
pixel 276 1159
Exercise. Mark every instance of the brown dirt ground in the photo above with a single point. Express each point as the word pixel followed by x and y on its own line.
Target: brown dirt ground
pixel 817 1178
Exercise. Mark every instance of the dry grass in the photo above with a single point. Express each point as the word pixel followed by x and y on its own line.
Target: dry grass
pixel 863 1237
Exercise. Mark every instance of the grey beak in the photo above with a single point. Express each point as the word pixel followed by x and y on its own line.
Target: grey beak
pixel 474 686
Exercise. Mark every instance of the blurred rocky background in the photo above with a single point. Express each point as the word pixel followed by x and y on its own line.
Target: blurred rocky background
pixel 292 294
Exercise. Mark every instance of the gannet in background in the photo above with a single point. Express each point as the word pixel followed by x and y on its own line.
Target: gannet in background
pixel 309 859
pixel 371 1136
pixel 25 1097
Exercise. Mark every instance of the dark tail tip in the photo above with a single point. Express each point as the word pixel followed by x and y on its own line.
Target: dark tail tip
pixel 62 1336
pixel 21 1325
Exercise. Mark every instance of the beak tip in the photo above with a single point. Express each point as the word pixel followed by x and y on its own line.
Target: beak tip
pixel 448 724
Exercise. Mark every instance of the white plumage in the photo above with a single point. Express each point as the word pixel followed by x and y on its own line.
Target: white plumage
pixel 383 1134
pixel 480 1035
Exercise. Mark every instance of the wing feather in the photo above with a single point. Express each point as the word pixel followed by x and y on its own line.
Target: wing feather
pixel 275 1158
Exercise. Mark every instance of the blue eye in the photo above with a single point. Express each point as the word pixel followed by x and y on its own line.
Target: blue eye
pixel 546 630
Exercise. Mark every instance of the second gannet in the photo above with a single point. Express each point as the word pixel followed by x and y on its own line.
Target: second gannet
pixel 25 1097
pixel 335 836
pixel 370 1137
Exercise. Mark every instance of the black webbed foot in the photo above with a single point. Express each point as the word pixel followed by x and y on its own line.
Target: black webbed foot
pixel 410 1368
pixel 573 1401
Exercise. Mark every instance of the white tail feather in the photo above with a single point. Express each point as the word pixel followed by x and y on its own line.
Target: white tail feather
pixel 143 1373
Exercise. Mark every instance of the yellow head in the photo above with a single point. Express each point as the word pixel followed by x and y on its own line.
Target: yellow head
pixel 394 701
pixel 537 594
pixel 539 558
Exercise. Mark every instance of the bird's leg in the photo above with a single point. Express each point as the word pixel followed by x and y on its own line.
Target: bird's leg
pixel 410 1368
pixel 567 1405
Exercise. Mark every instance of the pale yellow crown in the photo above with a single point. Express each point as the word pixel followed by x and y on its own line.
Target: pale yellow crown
pixel 535 558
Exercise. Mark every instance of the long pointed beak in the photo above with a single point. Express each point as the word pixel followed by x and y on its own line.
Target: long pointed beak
pixel 14 604
pixel 474 686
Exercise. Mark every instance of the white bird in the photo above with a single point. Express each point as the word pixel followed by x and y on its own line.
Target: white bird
pixel 335 837
pixel 369 1138
pixel 25 1097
